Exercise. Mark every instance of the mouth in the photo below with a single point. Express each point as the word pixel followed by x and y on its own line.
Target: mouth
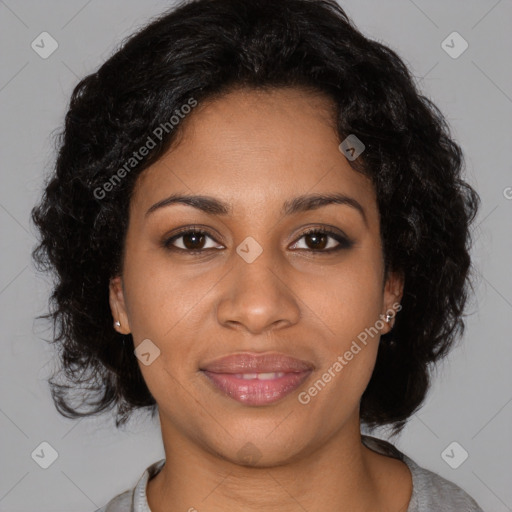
pixel 257 380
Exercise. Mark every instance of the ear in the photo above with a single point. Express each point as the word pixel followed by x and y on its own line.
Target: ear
pixel 393 292
pixel 118 306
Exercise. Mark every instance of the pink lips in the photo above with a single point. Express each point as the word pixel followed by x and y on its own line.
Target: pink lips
pixel 254 379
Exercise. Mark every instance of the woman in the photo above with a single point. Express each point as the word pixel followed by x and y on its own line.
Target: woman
pixel 260 231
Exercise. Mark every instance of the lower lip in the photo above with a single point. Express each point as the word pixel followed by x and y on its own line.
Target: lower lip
pixel 254 391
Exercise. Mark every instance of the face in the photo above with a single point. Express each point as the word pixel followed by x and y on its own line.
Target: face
pixel 264 274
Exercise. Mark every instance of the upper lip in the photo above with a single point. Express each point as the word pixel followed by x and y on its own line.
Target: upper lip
pixel 257 363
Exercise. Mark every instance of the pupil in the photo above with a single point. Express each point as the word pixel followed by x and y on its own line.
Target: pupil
pixel 315 237
pixel 195 236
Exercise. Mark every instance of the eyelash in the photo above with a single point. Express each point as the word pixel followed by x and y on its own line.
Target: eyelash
pixel 343 242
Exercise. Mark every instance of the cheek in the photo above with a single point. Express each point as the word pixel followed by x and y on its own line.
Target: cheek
pixel 349 305
pixel 351 296
pixel 164 306
pixel 159 297
pixel 349 308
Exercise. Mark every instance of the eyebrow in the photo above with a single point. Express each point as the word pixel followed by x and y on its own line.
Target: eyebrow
pixel 213 206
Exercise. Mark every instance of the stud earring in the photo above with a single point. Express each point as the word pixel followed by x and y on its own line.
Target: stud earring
pixel 117 323
pixel 388 318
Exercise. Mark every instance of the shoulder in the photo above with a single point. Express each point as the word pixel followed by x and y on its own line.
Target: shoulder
pixel 430 491
pixel 433 492
pixel 121 503
pixel 134 500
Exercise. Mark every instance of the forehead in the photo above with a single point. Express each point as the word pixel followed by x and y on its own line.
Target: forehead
pixel 253 149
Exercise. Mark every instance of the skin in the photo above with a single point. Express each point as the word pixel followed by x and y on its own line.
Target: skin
pixel 255 150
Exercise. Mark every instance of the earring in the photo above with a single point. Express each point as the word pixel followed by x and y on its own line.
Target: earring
pixel 117 323
pixel 388 318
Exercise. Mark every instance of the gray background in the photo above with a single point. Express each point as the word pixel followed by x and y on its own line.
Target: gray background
pixel 470 401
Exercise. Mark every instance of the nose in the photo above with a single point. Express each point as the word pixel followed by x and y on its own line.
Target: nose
pixel 257 296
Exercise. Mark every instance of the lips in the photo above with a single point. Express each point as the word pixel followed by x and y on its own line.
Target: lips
pixel 258 363
pixel 254 379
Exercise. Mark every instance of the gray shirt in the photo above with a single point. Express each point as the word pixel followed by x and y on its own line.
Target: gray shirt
pixel 430 492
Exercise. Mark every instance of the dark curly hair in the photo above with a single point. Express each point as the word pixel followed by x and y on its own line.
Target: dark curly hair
pixel 203 49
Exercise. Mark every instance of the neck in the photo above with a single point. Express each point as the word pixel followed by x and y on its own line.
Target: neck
pixel 340 475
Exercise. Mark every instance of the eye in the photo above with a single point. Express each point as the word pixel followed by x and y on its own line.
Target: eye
pixel 191 241
pixel 318 240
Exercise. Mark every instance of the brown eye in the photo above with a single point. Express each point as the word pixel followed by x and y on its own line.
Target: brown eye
pixel 317 240
pixel 323 241
pixel 192 241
